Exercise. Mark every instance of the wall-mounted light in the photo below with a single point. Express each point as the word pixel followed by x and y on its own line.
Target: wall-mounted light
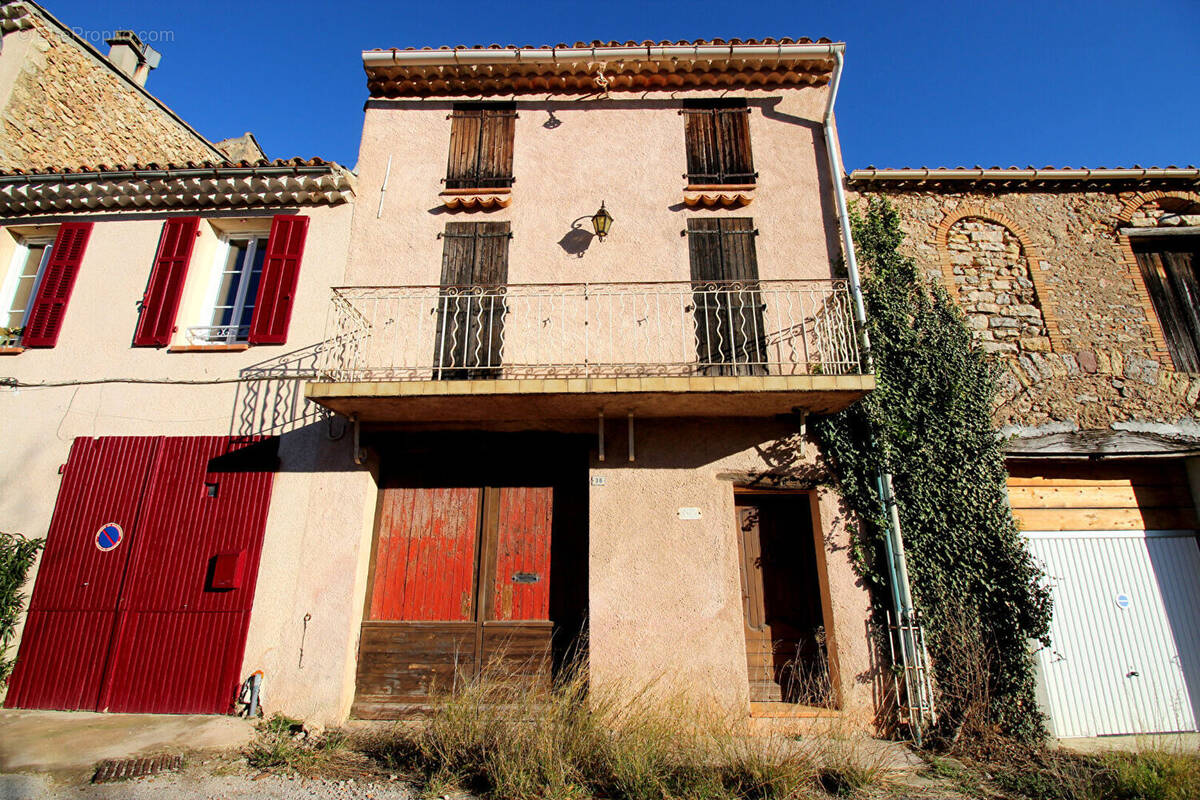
pixel 602 221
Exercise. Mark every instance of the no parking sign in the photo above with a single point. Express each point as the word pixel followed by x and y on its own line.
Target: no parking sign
pixel 109 536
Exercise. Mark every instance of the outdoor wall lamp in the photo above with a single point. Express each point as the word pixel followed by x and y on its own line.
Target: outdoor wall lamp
pixel 602 221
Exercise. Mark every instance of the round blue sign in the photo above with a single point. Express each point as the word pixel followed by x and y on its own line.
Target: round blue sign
pixel 109 536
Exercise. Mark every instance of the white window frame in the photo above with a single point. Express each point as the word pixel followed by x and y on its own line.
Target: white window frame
pixel 8 291
pixel 228 334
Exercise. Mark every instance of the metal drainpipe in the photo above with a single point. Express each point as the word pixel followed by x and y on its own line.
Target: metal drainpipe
pixel 896 562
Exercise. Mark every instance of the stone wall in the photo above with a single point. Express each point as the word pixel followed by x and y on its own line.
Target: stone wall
pixel 1076 334
pixel 992 279
pixel 66 108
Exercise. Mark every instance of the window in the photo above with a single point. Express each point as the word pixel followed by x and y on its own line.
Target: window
pixel 28 266
pixel 481 146
pixel 717 134
pixel 235 290
pixel 471 304
pixel 727 303
pixel 34 296
pixel 250 294
pixel 1170 266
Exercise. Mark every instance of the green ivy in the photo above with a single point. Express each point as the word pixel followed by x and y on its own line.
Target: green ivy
pixel 16 557
pixel 929 423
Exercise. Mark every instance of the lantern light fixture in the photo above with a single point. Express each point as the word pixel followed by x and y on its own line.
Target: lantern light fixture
pixel 602 221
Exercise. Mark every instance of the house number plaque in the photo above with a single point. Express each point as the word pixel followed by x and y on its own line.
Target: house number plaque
pixel 526 577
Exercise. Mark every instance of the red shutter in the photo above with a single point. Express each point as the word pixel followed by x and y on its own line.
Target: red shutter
pixel 55 289
pixel 277 287
pixel 161 300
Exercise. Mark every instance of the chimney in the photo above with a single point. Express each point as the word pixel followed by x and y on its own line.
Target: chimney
pixel 131 56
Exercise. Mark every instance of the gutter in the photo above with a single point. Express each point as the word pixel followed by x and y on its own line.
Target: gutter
pixel 155 174
pixel 556 55
pixel 897 563
pixel 1050 174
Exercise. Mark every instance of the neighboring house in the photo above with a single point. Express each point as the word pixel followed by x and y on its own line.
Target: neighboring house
pixel 157 321
pixel 1085 285
pixel 543 444
pixel 64 104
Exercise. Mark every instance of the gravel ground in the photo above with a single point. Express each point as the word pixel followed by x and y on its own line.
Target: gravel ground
pixel 199 785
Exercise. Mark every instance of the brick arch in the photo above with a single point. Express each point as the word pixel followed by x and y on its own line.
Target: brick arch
pixel 1131 204
pixel 1129 207
pixel 1032 253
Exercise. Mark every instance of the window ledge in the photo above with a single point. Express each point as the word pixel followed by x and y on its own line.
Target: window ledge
pixel 717 196
pixel 209 348
pixel 11 351
pixel 476 199
pixel 720 187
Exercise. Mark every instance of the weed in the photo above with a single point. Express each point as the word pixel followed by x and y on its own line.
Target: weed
pixel 283 745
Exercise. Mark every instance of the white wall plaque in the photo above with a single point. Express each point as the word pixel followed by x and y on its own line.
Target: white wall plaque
pixel 689 513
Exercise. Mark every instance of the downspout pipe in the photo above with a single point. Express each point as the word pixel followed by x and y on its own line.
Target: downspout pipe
pixel 897 564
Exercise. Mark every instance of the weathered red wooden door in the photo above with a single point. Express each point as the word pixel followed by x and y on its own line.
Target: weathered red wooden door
pixel 460 581
pixel 177 598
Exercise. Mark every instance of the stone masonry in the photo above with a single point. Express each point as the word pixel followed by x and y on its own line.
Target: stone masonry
pixel 1051 288
pixel 991 274
pixel 68 108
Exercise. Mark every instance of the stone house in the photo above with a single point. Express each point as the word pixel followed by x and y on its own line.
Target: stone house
pixel 1083 284
pixel 64 104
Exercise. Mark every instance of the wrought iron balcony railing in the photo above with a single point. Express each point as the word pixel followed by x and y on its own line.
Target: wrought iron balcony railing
pixel 590 330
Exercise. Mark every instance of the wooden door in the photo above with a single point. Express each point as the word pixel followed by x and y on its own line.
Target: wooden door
pixel 728 307
pixel 472 303
pixel 784 625
pixel 460 586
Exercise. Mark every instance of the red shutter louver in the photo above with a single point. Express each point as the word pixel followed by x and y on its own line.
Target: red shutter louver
pixel 161 301
pixel 277 287
pixel 46 318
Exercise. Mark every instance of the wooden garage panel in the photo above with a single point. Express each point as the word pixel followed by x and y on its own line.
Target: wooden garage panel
pixel 518 650
pixel 402 663
pixel 1099 497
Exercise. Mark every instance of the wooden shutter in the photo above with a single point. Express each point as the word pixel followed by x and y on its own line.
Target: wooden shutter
pixel 277 286
pixel 471 306
pixel 1169 270
pixel 481 146
pixel 46 317
pixel 161 301
pixel 717 133
pixel 728 303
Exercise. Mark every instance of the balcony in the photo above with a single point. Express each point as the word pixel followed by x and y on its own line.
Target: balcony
pixel 559 351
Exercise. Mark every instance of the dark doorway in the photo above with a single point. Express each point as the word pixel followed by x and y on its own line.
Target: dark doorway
pixel 785 626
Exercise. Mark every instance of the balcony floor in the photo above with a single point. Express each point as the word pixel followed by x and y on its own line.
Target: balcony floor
pixel 575 398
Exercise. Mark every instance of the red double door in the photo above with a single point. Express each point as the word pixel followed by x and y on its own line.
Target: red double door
pixel 143 595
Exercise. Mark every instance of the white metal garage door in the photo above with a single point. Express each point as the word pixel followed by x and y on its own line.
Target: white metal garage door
pixel 1125 653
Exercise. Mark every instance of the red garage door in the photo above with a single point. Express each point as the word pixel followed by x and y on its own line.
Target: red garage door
pixel 144 592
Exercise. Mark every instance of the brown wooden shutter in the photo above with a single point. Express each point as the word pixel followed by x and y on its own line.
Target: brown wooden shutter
pixel 1169 270
pixel 481 146
pixel 717 134
pixel 280 273
pixel 728 303
pixel 161 301
pixel 46 317
pixel 472 305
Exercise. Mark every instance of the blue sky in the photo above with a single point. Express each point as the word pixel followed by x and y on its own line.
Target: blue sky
pixel 1056 82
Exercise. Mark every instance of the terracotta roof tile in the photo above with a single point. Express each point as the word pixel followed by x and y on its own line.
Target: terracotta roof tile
pixel 156 167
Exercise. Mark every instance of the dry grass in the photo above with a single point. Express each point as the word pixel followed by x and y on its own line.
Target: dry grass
pixel 508 741
pixel 283 745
